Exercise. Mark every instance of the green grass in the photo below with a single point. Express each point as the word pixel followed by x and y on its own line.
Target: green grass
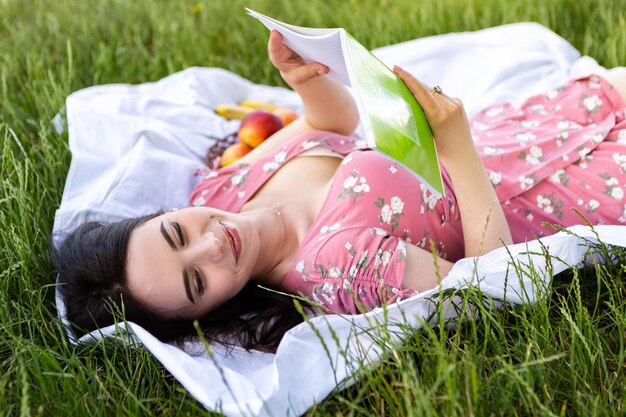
pixel 562 356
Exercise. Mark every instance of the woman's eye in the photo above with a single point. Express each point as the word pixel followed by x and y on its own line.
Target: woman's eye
pixel 199 283
pixel 179 233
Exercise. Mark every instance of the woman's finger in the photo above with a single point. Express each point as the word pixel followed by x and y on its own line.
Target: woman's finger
pixel 306 72
pixel 422 93
pixel 278 51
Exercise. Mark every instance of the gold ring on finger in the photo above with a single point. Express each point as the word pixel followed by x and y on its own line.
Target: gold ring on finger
pixel 437 89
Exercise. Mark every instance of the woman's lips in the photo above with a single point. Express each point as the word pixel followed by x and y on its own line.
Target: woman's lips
pixel 235 239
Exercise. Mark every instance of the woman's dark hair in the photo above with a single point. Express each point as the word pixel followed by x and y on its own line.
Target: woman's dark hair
pixel 91 262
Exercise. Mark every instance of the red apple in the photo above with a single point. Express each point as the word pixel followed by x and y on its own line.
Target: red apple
pixel 258 126
pixel 286 114
pixel 233 153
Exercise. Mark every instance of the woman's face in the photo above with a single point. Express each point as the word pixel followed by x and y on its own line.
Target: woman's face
pixel 183 264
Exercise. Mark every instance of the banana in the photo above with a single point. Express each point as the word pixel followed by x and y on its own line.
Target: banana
pixel 258 105
pixel 232 111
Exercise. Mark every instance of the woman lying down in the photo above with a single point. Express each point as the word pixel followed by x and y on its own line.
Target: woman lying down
pixel 310 212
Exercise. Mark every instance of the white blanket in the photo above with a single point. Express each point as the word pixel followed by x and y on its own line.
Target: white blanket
pixel 134 149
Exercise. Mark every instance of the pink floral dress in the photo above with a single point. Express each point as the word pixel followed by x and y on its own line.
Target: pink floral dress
pixel 560 150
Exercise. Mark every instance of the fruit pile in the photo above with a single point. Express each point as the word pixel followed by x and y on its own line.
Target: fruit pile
pixel 259 121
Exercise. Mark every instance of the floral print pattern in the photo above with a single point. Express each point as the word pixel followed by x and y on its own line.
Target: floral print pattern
pixel 562 154
pixel 354 186
pixel 276 162
pixel 390 213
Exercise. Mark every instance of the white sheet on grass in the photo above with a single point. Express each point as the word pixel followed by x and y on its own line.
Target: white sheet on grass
pixel 134 149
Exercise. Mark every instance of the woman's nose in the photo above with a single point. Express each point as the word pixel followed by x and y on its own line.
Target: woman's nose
pixel 206 247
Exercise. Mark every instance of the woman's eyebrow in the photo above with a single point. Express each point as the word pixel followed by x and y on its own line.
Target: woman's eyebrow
pixel 187 288
pixel 167 237
pixel 170 242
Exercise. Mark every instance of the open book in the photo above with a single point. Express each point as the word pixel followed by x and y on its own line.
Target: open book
pixel 393 121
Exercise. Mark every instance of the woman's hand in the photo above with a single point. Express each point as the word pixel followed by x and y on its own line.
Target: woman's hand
pixel 328 105
pixel 292 68
pixel 446 117
pixel 484 225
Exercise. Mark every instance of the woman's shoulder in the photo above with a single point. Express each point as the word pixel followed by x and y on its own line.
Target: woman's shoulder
pixel 221 188
pixel 229 187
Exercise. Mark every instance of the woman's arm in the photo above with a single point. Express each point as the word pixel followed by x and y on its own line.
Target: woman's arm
pixel 327 104
pixel 423 270
pixel 484 225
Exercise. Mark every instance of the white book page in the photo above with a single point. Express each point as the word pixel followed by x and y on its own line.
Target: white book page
pixel 312 44
pixel 301 30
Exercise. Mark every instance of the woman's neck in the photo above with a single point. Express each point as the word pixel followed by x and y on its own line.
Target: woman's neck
pixel 279 243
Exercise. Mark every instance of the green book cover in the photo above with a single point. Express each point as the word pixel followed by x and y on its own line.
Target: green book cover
pixel 393 121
